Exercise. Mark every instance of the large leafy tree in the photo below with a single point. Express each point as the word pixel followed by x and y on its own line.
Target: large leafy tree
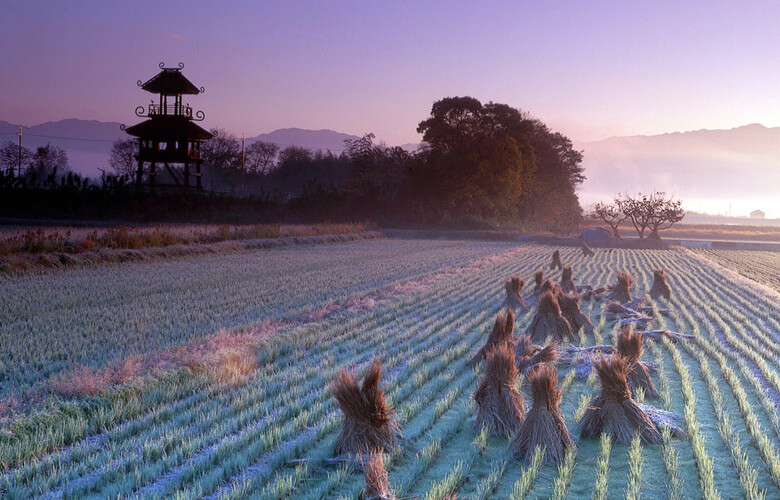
pixel 476 158
pixel 558 170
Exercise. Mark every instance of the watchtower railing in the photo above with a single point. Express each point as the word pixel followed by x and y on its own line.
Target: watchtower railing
pixel 170 109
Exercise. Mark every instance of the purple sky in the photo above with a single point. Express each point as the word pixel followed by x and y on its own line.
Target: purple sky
pixel 588 69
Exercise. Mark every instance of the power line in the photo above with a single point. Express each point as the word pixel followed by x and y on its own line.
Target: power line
pixel 27 134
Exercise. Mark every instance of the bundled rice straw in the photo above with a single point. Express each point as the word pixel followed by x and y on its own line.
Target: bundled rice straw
pixel 621 290
pixel 586 250
pixel 503 331
pixel 514 297
pixel 582 358
pixel 660 287
pixel 556 260
pixel 544 424
pixel 663 418
pixel 570 309
pixel 539 279
pixel 377 484
pixel 629 345
pixel 500 403
pixel 613 409
pixel 624 314
pixel 567 283
pixel 368 420
pixel 548 320
pixel 529 355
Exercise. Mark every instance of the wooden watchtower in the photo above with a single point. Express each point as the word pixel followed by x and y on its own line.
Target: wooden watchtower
pixel 169 137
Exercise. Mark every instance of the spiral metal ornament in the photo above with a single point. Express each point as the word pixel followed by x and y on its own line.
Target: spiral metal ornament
pixel 181 65
pixel 122 127
pixel 139 111
pixel 199 116
pixel 162 65
pixel 139 83
pixel 202 89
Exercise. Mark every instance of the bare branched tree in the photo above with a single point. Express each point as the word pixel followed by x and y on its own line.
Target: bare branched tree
pixel 260 157
pixel 653 212
pixel 611 214
pixel 122 157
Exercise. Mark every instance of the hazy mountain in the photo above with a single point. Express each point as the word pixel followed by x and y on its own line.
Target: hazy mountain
pixel 310 139
pixel 709 168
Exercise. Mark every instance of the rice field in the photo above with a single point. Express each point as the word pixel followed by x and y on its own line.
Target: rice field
pixel 52 320
pixel 758 265
pixel 184 435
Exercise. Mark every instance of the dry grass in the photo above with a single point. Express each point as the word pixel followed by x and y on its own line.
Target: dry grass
pixel 79 239
pixel 227 357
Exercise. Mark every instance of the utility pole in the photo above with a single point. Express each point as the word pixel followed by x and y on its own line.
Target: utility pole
pixel 243 164
pixel 20 152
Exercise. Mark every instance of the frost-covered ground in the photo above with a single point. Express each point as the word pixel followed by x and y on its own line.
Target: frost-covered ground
pixel 183 434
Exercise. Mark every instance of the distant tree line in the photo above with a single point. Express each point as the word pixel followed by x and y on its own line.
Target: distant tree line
pixel 44 165
pixel 479 165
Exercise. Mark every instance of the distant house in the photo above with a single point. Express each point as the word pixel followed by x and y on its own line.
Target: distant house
pixel 757 214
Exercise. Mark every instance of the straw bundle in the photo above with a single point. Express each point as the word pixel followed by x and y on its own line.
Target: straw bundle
pixel 538 279
pixel 377 484
pixel 548 320
pixel 503 331
pixel 514 297
pixel 660 287
pixel 570 309
pixel 544 424
pixel 368 420
pixel 500 403
pixel 621 290
pixel 556 260
pixel 586 250
pixel 613 409
pixel 629 345
pixel 529 355
pixel 567 283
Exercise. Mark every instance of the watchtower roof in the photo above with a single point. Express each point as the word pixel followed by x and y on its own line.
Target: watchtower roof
pixel 168 128
pixel 170 81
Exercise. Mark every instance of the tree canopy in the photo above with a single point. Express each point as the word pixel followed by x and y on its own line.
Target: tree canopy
pixel 494 161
